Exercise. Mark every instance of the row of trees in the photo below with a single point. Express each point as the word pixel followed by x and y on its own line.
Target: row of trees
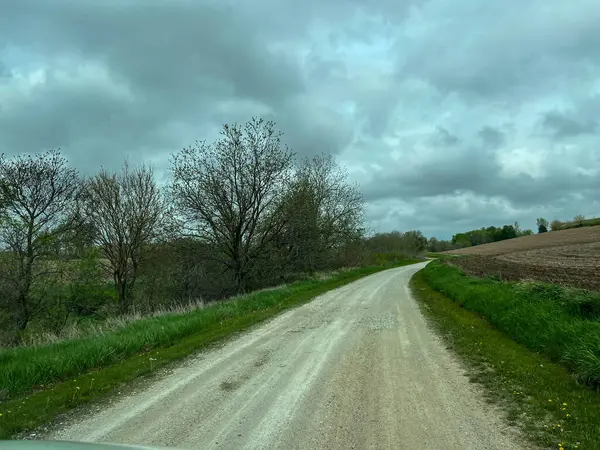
pixel 238 214
pixel 410 243
pixel 494 234
pixel 487 235
pixel 556 225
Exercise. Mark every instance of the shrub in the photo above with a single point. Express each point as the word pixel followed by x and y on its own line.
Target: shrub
pixel 579 220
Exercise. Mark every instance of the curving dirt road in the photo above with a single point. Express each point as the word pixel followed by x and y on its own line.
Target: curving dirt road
pixel 355 368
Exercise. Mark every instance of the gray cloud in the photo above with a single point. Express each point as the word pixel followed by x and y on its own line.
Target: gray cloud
pixel 443 138
pixel 491 137
pixel 563 126
pixel 447 121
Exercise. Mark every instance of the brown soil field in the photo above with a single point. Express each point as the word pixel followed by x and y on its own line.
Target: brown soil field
pixel 567 257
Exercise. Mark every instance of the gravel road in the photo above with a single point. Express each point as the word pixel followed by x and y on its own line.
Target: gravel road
pixel 355 368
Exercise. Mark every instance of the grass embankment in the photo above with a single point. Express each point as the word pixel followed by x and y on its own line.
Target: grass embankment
pixel 45 381
pixel 441 256
pixel 528 343
pixel 583 223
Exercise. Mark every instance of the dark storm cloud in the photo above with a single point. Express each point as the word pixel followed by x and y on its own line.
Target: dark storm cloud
pixel 446 118
pixel 479 171
pixel 471 50
pixel 563 126
pixel 175 61
pixel 168 48
pixel 491 137
pixel 444 138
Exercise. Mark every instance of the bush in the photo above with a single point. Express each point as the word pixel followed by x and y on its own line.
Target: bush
pixel 579 221
pixel 542 225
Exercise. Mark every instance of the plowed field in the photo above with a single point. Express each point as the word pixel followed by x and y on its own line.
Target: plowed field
pixel 569 257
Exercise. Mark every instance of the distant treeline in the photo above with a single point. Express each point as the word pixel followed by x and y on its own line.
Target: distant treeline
pixel 477 237
pixel 489 234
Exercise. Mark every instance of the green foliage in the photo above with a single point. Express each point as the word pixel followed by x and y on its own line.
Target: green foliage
pixel 410 243
pixel 38 198
pixel 560 323
pixel 487 235
pixel 579 220
pixel 441 256
pixel 389 259
pixel 461 240
pixel 435 245
pixel 542 225
pixel 88 292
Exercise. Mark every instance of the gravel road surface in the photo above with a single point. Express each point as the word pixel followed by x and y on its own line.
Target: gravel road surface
pixel 357 368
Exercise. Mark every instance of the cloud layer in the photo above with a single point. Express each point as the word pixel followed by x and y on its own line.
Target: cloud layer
pixel 451 114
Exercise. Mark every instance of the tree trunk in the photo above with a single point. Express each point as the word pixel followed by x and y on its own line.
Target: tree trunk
pixel 239 276
pixel 20 311
pixel 20 317
pixel 240 281
pixel 123 297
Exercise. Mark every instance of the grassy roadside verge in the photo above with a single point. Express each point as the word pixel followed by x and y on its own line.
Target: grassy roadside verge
pixel 560 323
pixel 441 256
pixel 541 397
pixel 49 380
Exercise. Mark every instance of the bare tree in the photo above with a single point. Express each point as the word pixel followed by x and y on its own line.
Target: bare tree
pixel 39 206
pixel 227 193
pixel 323 213
pixel 579 220
pixel 299 241
pixel 331 207
pixel 340 203
pixel 126 209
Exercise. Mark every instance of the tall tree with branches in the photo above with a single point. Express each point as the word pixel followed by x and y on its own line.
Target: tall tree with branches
pixel 126 210
pixel 38 206
pixel 227 193
pixel 325 212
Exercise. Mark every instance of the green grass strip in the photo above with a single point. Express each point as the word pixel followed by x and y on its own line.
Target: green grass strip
pixel 52 379
pixel 560 323
pixel 540 397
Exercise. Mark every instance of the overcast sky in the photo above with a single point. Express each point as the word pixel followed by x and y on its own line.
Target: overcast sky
pixel 452 114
